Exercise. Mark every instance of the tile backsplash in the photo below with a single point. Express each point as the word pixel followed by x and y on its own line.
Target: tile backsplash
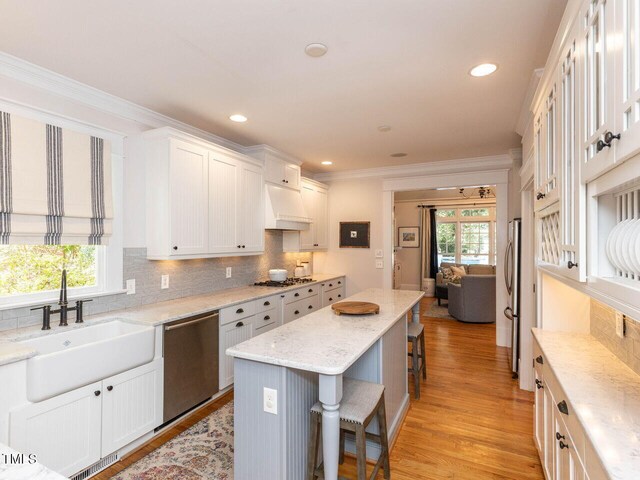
pixel 186 277
pixel 603 328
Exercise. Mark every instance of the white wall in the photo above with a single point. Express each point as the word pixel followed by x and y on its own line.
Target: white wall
pixel 353 200
pixel 407 214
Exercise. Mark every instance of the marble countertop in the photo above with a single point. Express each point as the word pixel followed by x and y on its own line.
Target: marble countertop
pixel 605 394
pixel 16 466
pixel 153 314
pixel 327 343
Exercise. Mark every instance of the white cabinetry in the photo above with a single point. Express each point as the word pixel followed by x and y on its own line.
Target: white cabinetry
pixel 565 451
pixel 280 168
pixel 202 200
pixel 333 291
pixel 72 431
pixel 315 198
pixel 231 335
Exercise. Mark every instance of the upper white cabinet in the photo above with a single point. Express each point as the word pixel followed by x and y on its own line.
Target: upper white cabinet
pixel 280 168
pixel 203 200
pixel 315 198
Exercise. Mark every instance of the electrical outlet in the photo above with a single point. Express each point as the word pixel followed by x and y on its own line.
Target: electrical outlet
pixel 379 253
pixel 228 272
pixel 379 264
pixel 164 282
pixel 131 286
pixel 620 324
pixel 270 400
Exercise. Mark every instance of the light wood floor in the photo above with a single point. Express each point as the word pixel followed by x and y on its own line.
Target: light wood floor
pixel 471 422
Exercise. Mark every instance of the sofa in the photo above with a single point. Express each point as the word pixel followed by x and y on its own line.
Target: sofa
pixel 441 289
pixel 474 299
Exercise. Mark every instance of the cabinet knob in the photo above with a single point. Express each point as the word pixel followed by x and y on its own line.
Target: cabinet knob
pixel 339 282
pixel 331 284
pixel 310 307
pixel 540 196
pixel 539 384
pixel 239 246
pixel 296 294
pixel 109 388
pixel 243 246
pixel 339 296
pixel 240 310
pixel 266 304
pixel 267 317
pixel 97 393
pixel 562 406
pixel 608 138
pixel 540 360
pixel 175 247
pixel 570 264
pixel 311 290
pixel 239 324
pixel 296 312
pixel 559 437
pixel 563 445
pixel 331 299
pixel 283 180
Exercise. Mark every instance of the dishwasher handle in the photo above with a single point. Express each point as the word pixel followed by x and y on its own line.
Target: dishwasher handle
pixel 186 324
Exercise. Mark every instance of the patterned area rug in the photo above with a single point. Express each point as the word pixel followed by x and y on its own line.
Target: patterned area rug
pixel 438 311
pixel 204 451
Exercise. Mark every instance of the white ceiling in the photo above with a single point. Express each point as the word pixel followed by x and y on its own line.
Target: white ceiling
pixel 402 63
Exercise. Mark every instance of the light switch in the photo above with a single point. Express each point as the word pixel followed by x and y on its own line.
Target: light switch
pixel 131 286
pixel 228 272
pixel 379 264
pixel 270 400
pixel 379 253
pixel 164 282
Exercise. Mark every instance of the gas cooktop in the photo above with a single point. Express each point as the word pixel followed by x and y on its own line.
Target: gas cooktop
pixel 286 283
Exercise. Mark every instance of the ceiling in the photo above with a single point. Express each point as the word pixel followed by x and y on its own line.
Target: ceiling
pixel 402 63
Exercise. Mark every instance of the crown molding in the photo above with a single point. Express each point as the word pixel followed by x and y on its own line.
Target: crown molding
pixel 261 151
pixel 460 165
pixel 22 71
pixel 525 111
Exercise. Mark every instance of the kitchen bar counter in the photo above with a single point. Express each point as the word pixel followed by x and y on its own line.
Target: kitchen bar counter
pixel 304 361
pixel 605 394
pixel 153 314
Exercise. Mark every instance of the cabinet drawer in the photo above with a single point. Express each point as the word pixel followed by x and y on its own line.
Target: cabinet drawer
pixel 332 296
pixel 538 359
pixel 237 312
pixel 264 319
pixel 267 303
pixel 301 308
pixel 333 284
pixel 300 293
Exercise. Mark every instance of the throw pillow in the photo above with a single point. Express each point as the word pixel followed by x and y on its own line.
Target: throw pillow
pixel 449 276
pixel 459 271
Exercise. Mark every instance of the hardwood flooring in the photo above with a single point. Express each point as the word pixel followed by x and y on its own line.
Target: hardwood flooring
pixel 472 422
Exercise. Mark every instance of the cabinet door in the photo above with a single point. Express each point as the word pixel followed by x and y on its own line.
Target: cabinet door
pixel 538 413
pixel 251 219
pixel 230 335
pixel 188 192
pixel 540 157
pixel 292 175
pixel 321 219
pixel 308 237
pixel 64 431
pixel 573 193
pixel 627 78
pixel 549 433
pixel 274 171
pixel 224 189
pixel 599 46
pixel 548 170
pixel 131 405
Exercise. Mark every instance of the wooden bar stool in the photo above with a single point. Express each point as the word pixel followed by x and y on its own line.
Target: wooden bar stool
pixel 415 335
pixel 361 401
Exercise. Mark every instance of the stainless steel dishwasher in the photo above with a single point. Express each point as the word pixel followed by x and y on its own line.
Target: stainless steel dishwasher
pixel 190 363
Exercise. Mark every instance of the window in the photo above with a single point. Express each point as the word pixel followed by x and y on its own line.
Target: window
pixel 31 272
pixel 466 235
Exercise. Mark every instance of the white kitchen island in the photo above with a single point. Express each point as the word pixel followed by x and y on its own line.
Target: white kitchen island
pixel 305 361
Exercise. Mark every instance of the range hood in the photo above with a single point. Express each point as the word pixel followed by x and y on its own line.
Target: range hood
pixel 284 209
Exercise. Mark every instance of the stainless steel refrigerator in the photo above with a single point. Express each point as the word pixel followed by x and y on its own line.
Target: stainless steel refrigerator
pixel 512 281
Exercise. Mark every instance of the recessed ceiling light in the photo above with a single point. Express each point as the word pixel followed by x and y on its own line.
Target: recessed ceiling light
pixel 327 162
pixel 399 155
pixel 316 49
pixel 483 70
pixel 384 128
pixel 238 118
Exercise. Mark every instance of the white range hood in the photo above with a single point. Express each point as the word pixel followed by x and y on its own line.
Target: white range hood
pixel 284 209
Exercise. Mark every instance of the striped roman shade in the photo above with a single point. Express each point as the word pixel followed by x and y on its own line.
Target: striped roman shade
pixel 55 184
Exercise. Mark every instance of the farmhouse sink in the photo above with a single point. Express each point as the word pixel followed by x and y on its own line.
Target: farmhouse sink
pixel 71 359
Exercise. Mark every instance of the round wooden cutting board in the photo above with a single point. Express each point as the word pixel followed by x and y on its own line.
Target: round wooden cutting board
pixel 355 308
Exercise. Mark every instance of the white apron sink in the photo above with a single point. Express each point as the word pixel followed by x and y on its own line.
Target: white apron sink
pixel 71 359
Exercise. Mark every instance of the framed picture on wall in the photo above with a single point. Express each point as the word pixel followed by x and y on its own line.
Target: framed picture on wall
pixel 409 237
pixel 354 234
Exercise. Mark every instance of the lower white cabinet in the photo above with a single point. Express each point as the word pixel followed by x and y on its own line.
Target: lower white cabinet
pixel 565 451
pixel 300 308
pixel 131 405
pixel 72 431
pixel 333 291
pixel 232 334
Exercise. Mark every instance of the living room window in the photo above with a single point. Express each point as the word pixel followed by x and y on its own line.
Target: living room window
pixel 467 235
